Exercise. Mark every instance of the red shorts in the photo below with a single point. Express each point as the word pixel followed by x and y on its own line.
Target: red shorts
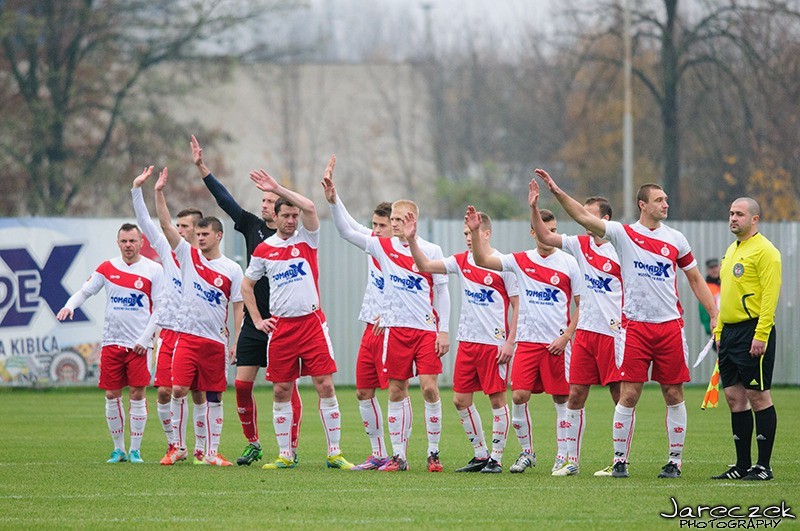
pixel 408 352
pixel 164 359
pixel 477 369
pixel 662 344
pixel 369 365
pixel 121 367
pixel 592 361
pixel 299 346
pixel 536 370
pixel 199 364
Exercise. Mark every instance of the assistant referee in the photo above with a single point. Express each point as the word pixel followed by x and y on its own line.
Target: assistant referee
pixel 750 276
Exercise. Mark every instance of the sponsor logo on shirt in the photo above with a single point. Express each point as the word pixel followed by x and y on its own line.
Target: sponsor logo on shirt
pixel 483 297
pixel 211 296
pixel 409 283
pixel 134 300
pixel 598 284
pixel 377 280
pixel 294 271
pixel 545 295
pixel 657 270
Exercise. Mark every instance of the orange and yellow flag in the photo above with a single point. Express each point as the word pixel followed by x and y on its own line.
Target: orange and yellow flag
pixel 711 399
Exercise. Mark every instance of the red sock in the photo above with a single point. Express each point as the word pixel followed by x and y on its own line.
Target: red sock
pixel 297 416
pixel 246 407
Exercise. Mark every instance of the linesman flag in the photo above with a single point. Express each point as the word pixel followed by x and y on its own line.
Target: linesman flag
pixel 711 399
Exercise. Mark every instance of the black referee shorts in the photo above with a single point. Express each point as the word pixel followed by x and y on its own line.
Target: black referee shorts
pixel 251 349
pixel 735 362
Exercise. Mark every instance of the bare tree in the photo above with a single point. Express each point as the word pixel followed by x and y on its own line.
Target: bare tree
pixel 72 79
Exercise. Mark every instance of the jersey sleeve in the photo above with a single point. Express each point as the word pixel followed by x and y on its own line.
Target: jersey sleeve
pixel 236 286
pixel 362 241
pixel 769 274
pixel 450 264
pixel 92 286
pixel 686 260
pixel 508 262
pixel 355 225
pixel 570 244
pixel 576 280
pixel 257 268
pixel 183 252
pixel 614 231
pixel 511 282
pixel 311 238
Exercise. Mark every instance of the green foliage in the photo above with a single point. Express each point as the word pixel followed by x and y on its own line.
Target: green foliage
pixel 55 443
pixel 453 197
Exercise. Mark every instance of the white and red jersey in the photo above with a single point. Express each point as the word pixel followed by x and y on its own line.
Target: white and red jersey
pixel 407 293
pixel 169 300
pixel 601 300
pixel 208 287
pixel 293 271
pixel 484 300
pixel 372 304
pixel 650 261
pixel 546 286
pixel 130 294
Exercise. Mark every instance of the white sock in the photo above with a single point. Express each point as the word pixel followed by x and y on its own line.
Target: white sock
pixel 200 428
pixel 676 432
pixel 561 430
pixel 138 413
pixel 282 422
pixel 397 422
pixel 576 422
pixel 332 423
pixel 624 423
pixel 521 419
pixel 180 414
pixel 165 417
pixel 499 432
pixel 473 427
pixel 408 422
pixel 214 423
pixel 372 416
pixel 115 418
pixel 433 423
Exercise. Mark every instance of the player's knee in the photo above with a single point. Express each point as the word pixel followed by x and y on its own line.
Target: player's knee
pixel 430 393
pixel 461 402
pixel 365 394
pixel 164 394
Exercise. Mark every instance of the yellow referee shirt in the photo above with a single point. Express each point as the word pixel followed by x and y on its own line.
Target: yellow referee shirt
pixel 750 278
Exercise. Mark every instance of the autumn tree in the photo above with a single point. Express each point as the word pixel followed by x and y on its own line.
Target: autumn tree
pixel 74 82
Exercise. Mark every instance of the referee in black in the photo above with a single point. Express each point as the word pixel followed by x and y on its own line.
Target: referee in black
pixel 251 349
pixel 750 276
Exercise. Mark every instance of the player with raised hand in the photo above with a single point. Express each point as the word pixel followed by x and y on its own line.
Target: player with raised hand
pixel 369 363
pixel 168 321
pixel 132 283
pixel 299 343
pixel 251 349
pixel 416 309
pixel 485 340
pixel 211 282
pixel 549 279
pixel 596 349
pixel 652 327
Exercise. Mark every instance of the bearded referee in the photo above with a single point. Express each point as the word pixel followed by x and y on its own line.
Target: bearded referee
pixel 750 277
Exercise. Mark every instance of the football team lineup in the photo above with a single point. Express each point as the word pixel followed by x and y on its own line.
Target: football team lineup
pixel 572 312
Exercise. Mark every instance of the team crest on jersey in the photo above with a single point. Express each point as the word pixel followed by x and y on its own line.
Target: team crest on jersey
pixel 738 270
pixel 218 282
pixel 295 252
pixel 488 280
pixel 665 251
pixel 554 280
pixel 607 267
pixel 138 284
pixel 414 268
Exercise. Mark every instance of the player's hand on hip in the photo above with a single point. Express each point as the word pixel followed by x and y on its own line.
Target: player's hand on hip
pixel 757 348
pixel 139 349
pixel 442 343
pixel 377 329
pixel 64 313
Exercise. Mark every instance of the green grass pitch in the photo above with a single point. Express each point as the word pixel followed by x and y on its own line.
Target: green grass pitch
pixel 53 446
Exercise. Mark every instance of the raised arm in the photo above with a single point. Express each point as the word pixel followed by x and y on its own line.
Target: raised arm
pixel 308 212
pixel 480 247
pixel 332 198
pixel 424 263
pixel 542 234
pixel 140 209
pixel 575 210
pixel 172 234
pixel 224 199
